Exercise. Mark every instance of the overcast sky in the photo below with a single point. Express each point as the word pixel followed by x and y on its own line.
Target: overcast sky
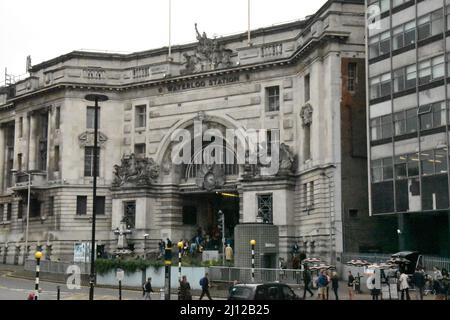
pixel 46 29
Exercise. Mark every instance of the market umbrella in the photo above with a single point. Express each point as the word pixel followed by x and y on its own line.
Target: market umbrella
pixel 312 260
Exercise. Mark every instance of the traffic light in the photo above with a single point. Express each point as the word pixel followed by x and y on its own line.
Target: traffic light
pixel 220 220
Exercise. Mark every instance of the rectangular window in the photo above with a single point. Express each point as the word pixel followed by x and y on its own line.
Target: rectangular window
pixel 56 159
pixel 129 214
pixel 352 77
pixel 401 167
pixel 413 165
pixel 382 170
pixel 385 43
pixel 424 27
pixel 20 127
pixel 265 207
pixel 90 118
pixel 140 116
pixel 51 206
pixel 57 117
pixel 20 209
pixel 100 205
pixel 311 194
pixel 427 163
pixel 81 205
pixel 273 98
pixel 139 150
pixel 307 88
pixel 305 195
pixel 2 212
pixel 9 212
pixel 19 161
pixel 89 161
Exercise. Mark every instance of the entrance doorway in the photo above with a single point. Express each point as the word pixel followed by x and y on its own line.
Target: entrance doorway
pixel 200 214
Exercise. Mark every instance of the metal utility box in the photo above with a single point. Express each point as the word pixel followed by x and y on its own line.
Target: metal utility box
pixel 266 248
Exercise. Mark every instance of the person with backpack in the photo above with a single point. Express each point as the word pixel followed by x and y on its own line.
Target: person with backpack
pixel 204 283
pixel 147 289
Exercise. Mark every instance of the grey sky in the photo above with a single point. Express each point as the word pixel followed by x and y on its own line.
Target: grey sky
pixel 46 29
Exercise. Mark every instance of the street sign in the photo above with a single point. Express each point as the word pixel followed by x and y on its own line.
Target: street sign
pixel 120 275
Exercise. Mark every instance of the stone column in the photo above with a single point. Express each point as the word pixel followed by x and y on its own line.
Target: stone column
pixel 26 137
pixel 2 158
pixel 32 143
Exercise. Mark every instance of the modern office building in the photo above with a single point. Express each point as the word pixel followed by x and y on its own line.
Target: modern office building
pixel 304 80
pixel 408 118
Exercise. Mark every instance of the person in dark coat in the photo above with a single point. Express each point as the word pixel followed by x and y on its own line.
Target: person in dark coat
pixel 419 282
pixel 335 284
pixel 185 289
pixel 307 281
pixel 204 283
pixel 147 289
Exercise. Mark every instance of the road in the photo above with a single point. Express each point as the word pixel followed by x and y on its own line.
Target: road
pixel 18 289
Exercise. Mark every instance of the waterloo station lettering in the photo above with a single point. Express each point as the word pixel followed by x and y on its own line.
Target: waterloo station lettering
pixel 202 83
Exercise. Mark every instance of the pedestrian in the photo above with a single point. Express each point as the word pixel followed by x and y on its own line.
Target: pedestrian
pixel 322 283
pixel 307 282
pixel 335 284
pixel 31 296
pixel 229 254
pixel 350 283
pixel 147 289
pixel 446 283
pixel 185 289
pixel 404 286
pixel 419 282
pixel 204 283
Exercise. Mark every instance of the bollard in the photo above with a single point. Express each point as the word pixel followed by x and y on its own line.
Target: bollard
pixel 120 290
pixel 253 243
pixel 58 293
pixel 38 256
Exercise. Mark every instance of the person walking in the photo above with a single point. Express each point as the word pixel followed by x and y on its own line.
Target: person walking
pixel 204 283
pixel 322 283
pixel 419 282
pixel 335 284
pixel 307 282
pixel 185 289
pixel 350 283
pixel 229 254
pixel 404 286
pixel 147 289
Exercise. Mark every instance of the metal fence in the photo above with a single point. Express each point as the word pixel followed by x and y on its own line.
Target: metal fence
pixel 244 275
pixel 57 267
pixel 427 262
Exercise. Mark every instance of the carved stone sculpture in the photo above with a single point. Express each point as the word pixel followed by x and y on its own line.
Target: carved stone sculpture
pixel 135 172
pixel 86 139
pixel 306 115
pixel 287 159
pixel 210 177
pixel 209 55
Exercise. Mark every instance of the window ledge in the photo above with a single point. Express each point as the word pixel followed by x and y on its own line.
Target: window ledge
pixel 88 217
pixel 5 222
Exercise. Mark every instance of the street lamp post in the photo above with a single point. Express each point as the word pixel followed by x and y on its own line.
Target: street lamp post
pixel 28 212
pixel 253 244
pixel 222 227
pixel 95 98
pixel 331 217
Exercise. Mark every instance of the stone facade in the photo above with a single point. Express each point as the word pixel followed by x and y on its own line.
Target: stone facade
pixel 292 78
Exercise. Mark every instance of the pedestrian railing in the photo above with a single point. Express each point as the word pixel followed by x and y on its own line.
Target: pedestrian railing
pixel 57 267
pixel 262 275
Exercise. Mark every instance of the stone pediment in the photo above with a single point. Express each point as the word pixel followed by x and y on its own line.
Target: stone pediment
pixel 86 139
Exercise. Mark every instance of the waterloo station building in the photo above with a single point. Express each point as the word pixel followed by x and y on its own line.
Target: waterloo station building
pixel 305 79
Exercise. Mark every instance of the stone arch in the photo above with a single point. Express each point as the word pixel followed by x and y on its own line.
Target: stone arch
pixel 165 144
